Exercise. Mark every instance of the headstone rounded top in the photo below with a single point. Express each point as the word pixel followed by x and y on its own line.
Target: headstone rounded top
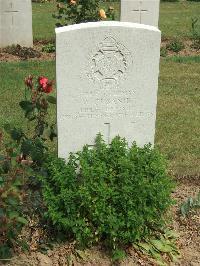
pixel 106 24
pixel 107 80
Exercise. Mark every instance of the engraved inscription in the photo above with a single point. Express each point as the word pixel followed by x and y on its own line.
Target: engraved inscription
pixel 110 63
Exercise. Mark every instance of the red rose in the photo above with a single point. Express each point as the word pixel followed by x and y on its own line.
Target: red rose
pixel 45 84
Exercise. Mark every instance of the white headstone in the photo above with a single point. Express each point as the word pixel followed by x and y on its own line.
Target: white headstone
pixel 107 80
pixel 140 11
pixel 16 23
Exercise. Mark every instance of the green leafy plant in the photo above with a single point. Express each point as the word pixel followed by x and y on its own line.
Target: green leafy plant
pixel 35 107
pixel 12 176
pixel 78 11
pixel 162 248
pixel 163 51
pixel 175 45
pixel 169 0
pixel 49 48
pixel 111 193
pixel 195 29
pixel 189 205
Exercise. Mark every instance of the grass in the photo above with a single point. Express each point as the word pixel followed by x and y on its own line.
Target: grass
pixel 12 87
pixel 175 19
pixel 43 22
pixel 178 115
pixel 178 112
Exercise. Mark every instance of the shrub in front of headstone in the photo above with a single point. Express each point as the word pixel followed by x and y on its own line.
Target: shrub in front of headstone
pixel 175 45
pixel 79 11
pixel 110 193
pixel 12 176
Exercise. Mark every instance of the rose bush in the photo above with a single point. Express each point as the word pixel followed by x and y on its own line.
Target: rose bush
pixel 35 106
pixel 78 11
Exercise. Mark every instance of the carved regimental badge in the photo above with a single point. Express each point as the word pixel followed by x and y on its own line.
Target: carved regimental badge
pixel 110 63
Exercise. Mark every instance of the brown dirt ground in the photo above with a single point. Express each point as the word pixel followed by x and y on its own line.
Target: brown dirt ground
pixel 188 241
pixel 6 57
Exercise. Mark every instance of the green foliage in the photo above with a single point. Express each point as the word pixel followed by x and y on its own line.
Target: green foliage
pixel 78 11
pixel 189 205
pixel 163 51
pixel 49 48
pixel 11 197
pixel 195 30
pixel 161 247
pixel 35 106
pixel 110 193
pixel 169 0
pixel 175 45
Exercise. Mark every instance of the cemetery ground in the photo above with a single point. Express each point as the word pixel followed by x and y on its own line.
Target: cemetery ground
pixel 177 132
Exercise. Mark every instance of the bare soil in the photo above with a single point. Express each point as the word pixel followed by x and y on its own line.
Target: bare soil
pixel 64 254
pixel 7 57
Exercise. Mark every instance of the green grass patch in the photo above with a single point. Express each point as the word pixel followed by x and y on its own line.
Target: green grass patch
pixel 12 87
pixel 175 19
pixel 178 111
pixel 184 59
pixel 178 116
pixel 43 22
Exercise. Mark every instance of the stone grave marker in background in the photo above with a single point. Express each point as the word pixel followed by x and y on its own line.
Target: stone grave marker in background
pixel 107 80
pixel 16 23
pixel 140 11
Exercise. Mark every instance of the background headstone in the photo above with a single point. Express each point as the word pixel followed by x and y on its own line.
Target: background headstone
pixel 107 80
pixel 140 11
pixel 16 23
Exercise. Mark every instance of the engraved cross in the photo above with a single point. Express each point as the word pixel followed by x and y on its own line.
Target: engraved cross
pixel 11 11
pixel 140 10
pixel 107 136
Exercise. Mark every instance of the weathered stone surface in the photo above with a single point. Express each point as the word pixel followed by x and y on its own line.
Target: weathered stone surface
pixel 16 23
pixel 107 80
pixel 140 11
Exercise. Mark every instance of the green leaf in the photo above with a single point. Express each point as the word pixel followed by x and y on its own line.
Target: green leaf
pixel 7 127
pixel 16 134
pixel 22 220
pixel 51 99
pixel 2 212
pixel 145 246
pixel 161 246
pixel 26 106
pixel 2 157
pixel 26 147
pixel 13 214
pixel 157 257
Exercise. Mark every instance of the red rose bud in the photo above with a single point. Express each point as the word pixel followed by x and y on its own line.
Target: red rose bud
pixel 29 81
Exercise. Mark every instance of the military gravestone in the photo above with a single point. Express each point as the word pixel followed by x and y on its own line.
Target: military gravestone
pixel 107 80
pixel 140 11
pixel 16 23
